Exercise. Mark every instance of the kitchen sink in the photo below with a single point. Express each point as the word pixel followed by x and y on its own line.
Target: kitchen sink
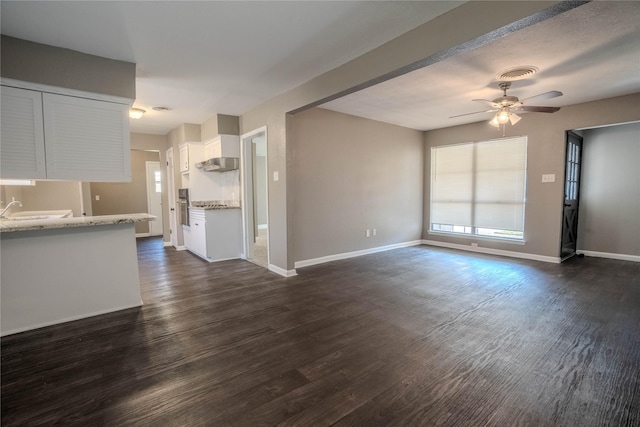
pixel 30 215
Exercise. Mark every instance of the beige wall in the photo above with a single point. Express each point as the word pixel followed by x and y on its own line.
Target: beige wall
pixel 609 215
pixel 39 63
pixel 46 195
pixel 126 197
pixel 260 191
pixel 351 174
pixel 228 125
pixel 460 29
pixel 545 155
pixel 220 124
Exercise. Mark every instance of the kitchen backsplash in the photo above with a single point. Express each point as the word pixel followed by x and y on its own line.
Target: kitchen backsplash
pixel 214 185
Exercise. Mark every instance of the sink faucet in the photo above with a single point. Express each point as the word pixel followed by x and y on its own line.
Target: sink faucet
pixel 15 202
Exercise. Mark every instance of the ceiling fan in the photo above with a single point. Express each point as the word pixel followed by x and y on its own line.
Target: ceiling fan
pixel 505 106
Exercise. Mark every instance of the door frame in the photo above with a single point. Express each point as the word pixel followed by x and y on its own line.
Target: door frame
pixel 171 199
pixel 563 229
pixel 246 175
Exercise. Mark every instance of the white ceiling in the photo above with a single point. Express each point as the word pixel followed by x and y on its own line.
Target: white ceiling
pixel 203 58
pixel 206 57
pixel 591 52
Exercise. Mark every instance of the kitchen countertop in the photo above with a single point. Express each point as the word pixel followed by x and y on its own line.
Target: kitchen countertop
pixel 7 225
pixel 215 204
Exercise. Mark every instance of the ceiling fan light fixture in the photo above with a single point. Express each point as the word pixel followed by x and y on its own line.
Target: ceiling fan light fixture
pixel 514 118
pixel 494 122
pixel 136 113
pixel 503 116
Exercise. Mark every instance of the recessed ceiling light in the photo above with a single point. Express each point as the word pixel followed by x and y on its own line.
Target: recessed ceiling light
pixel 160 108
pixel 517 73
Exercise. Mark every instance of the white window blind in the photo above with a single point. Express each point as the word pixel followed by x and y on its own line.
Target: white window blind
pixel 479 188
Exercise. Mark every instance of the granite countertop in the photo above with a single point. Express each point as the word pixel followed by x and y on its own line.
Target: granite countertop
pixel 215 204
pixel 8 225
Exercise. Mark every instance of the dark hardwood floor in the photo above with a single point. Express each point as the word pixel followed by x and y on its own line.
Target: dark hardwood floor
pixel 414 336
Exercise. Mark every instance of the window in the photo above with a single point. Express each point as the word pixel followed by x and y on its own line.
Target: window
pixel 479 188
pixel 158 181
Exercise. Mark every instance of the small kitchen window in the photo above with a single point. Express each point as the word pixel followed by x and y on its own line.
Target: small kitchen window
pixel 157 177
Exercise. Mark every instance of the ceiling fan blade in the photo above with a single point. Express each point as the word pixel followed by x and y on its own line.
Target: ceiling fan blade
pixel 534 109
pixel 475 112
pixel 486 101
pixel 546 95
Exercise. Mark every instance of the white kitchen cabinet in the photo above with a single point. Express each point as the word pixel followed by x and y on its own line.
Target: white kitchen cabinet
pixel 224 234
pixel 54 136
pixel 222 146
pixel 198 225
pixel 184 157
pixel 22 153
pixel 216 234
pixel 86 139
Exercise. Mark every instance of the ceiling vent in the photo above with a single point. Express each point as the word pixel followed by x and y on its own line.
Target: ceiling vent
pixel 516 73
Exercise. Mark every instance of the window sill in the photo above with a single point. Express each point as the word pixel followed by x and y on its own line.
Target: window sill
pixel 476 237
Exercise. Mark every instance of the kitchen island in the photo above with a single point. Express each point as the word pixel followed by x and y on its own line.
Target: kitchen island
pixel 63 269
pixel 215 231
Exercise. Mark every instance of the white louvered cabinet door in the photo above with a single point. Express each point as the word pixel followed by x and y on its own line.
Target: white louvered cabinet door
pixel 22 153
pixel 86 139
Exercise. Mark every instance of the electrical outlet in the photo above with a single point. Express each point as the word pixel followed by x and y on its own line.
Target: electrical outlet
pixel 474 245
pixel 549 177
pixel 276 176
pixel 97 197
pixel 374 232
pixel 367 233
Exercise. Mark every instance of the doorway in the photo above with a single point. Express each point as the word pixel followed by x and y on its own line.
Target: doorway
pixel 255 205
pixel 573 157
pixel 154 197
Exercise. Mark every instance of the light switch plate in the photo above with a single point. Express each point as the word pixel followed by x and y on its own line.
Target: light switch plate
pixel 549 177
pixel 276 176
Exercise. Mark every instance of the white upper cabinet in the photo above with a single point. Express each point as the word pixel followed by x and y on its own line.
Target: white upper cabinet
pixel 222 146
pixel 85 139
pixel 22 134
pixel 57 136
pixel 184 157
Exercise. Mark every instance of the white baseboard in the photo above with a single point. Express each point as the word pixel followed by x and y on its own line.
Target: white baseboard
pixel 263 226
pixel 220 260
pixel 622 257
pixel 143 235
pixel 181 248
pixel 336 257
pixel 282 271
pixel 166 244
pixel 489 251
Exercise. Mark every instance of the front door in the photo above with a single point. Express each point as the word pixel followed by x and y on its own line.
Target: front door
pixel 571 196
pixel 154 197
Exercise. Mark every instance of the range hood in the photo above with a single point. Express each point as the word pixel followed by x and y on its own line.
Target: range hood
pixel 219 164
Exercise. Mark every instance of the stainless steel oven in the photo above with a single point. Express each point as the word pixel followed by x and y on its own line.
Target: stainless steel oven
pixel 183 205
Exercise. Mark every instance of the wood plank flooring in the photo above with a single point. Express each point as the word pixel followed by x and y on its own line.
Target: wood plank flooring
pixel 413 336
